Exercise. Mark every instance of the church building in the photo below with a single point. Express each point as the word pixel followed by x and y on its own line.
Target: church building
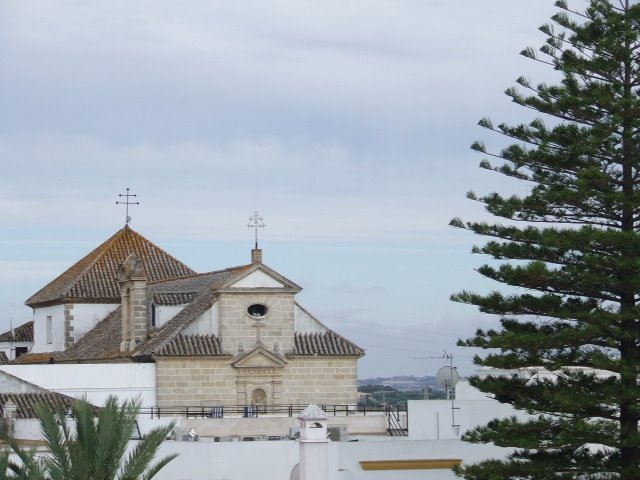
pixel 230 337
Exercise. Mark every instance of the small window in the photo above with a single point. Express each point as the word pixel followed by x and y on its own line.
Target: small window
pixel 154 315
pixel 21 351
pixel 257 310
pixel 49 329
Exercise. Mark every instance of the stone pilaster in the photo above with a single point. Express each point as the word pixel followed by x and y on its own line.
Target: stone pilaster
pixel 133 292
pixel 69 337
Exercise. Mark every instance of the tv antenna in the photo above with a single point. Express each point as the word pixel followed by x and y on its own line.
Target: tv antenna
pixel 447 377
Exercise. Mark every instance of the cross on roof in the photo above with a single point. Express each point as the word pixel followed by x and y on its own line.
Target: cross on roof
pixel 126 202
pixel 256 223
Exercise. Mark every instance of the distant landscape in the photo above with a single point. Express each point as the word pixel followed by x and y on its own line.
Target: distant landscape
pixel 397 390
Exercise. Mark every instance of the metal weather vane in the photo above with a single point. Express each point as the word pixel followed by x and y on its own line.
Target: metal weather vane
pixel 126 202
pixel 256 223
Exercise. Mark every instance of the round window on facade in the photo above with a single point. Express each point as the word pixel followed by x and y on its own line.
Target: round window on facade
pixel 257 310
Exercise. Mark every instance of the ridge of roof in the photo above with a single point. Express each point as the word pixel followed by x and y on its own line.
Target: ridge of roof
pixel 93 277
pixel 197 275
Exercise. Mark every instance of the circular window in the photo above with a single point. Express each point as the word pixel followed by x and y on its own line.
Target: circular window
pixel 257 310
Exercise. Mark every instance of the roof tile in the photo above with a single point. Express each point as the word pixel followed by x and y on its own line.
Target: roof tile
pixel 23 333
pixel 191 346
pixel 325 343
pixel 93 278
pixel 27 402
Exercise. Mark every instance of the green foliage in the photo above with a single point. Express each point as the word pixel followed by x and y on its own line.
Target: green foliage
pixel 571 248
pixel 27 468
pixel 94 448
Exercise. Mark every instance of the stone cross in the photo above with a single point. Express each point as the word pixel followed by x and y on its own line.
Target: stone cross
pixel 258 326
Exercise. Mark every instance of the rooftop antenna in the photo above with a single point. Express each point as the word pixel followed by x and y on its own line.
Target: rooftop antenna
pixel 447 377
pixel 126 202
pixel 12 339
pixel 256 223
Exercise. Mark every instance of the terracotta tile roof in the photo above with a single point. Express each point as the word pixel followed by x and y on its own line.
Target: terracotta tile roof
pixel 191 346
pixel 35 358
pixel 326 343
pixel 26 402
pixel 101 343
pixel 3 358
pixel 173 327
pixel 173 298
pixel 23 333
pixel 93 278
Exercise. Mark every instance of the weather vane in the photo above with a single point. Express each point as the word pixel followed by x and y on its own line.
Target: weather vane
pixel 126 202
pixel 256 223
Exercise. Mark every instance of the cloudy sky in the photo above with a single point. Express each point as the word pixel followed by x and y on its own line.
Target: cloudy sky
pixel 346 123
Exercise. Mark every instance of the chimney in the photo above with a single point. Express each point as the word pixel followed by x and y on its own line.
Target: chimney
pixel 133 292
pixel 256 255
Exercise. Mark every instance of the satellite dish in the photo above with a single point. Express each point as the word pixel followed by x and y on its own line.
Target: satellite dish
pixel 447 377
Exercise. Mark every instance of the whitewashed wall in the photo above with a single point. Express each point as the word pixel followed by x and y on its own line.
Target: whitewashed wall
pixel 40 329
pixel 95 381
pixel 434 419
pixel 275 460
pixel 164 313
pixel 86 316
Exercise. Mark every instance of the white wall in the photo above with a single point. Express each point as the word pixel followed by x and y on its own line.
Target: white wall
pixel 164 313
pixel 257 279
pixel 27 428
pixel 274 460
pixel 87 315
pixel 206 324
pixel 306 323
pixel 434 419
pixel 40 329
pixel 95 381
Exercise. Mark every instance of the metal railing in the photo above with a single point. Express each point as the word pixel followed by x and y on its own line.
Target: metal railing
pixel 394 421
pixel 252 411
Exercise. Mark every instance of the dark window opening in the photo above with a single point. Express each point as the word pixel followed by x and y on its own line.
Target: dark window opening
pixel 154 320
pixel 257 310
pixel 21 351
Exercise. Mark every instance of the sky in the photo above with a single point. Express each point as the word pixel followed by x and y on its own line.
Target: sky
pixel 345 123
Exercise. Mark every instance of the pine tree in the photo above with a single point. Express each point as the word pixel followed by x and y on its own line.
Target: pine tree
pixel 571 246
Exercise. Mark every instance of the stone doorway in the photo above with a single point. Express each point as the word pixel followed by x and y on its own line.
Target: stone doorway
pixel 259 399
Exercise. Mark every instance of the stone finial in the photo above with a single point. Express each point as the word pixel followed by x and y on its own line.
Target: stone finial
pixel 256 255
pixel 9 409
pixel 131 269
